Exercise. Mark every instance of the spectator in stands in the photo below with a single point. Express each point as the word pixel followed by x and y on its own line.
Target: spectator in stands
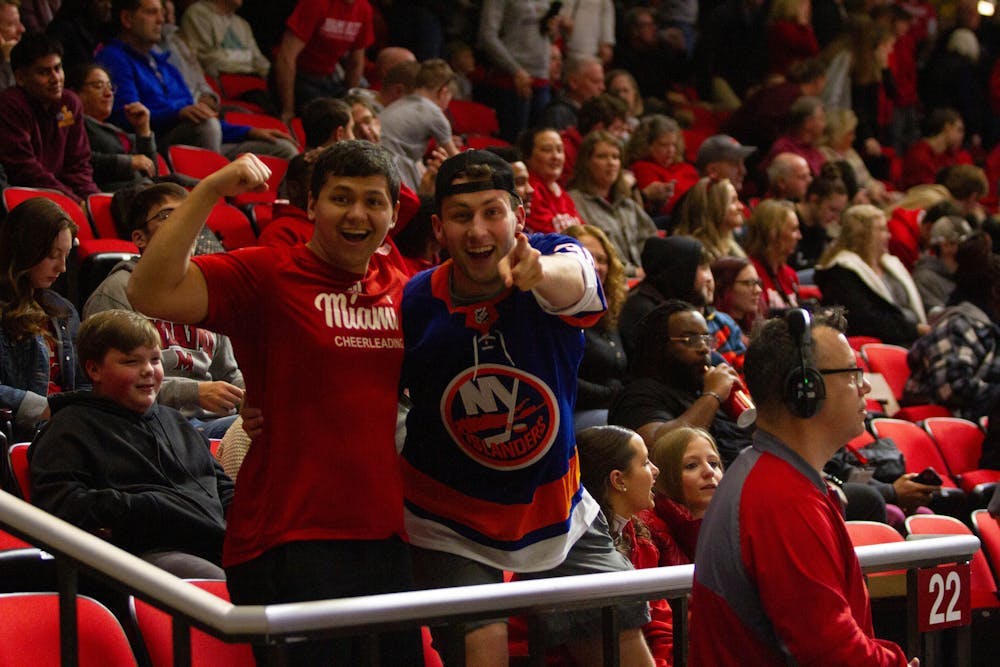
pixel 604 199
pixel 81 26
pixel 181 56
pixel 37 326
pixel 327 120
pixel 113 461
pixel 222 40
pixel 318 35
pixel 819 217
pixel 806 124
pixel 772 235
pixel 603 368
pixel 409 123
pixel 517 50
pixel 622 85
pixel 712 213
pixel 790 36
pixel 11 30
pixel 788 177
pixel 967 185
pixel 616 470
pixel 722 157
pixel 651 60
pixel 291 224
pixel 583 79
pixel 399 81
pixel 655 154
pixel 143 74
pixel 590 30
pixel 119 158
pixel 934 272
pixel 604 112
pixel 263 298
pixel 956 364
pixel 522 179
pixel 940 147
pixel 673 382
pixel 780 551
pixel 841 127
pixel 738 291
pixel 763 115
pixel 692 469
pixel 909 226
pixel 366 123
pixel 552 209
pixel 953 79
pixel 533 297
pixel 858 272
pixel 201 378
pixel 43 143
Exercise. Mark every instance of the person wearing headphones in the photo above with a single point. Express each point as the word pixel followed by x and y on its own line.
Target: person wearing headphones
pixel 781 581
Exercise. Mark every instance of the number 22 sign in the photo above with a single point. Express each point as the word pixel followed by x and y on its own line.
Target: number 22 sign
pixel 943 597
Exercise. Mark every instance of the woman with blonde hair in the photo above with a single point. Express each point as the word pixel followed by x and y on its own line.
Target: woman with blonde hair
pixel 838 146
pixel 690 469
pixel 604 365
pixel 603 198
pixel 858 273
pixel 772 234
pixel 711 213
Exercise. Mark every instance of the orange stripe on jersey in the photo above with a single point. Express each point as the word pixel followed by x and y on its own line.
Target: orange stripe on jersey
pixel 550 505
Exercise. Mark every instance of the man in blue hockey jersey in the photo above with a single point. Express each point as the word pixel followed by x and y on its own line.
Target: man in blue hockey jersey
pixel 490 471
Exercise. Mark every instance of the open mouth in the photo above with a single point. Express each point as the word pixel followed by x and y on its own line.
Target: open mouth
pixel 480 253
pixel 355 235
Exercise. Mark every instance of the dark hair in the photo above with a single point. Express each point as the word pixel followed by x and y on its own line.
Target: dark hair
pixel 807 70
pixel 936 120
pixel 650 357
pixel 526 141
pixel 122 330
pixel 772 354
pixel 603 108
pixel 801 110
pixel 142 200
pixel 602 450
pixel 355 159
pixel 509 154
pixel 321 117
pixel 829 182
pixel 77 75
pixel 964 181
pixel 977 278
pixel 724 271
pixel 119 6
pixel 33 45
pixel 26 239
pixel 297 180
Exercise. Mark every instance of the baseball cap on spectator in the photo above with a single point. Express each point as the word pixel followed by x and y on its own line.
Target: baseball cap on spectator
pixel 721 147
pixel 949 229
pixel 498 176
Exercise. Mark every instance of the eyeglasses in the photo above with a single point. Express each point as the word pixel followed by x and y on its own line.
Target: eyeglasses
pixel 161 215
pixel 101 85
pixel 750 283
pixel 859 373
pixel 694 341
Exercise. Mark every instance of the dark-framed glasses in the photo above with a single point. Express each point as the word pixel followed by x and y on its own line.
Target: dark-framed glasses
pixel 161 215
pixel 859 373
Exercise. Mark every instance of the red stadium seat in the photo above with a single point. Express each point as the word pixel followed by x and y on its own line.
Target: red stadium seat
pixel 988 529
pixel 17 457
pixel 234 85
pixel 15 194
pixel 864 533
pixel 259 120
pixel 162 166
pixel 231 226
pixel 156 628
pixel 99 210
pixel 982 586
pixel 469 117
pixel 278 167
pixel 919 450
pixel 29 633
pixel 194 161
pixel 961 444
pixel 890 362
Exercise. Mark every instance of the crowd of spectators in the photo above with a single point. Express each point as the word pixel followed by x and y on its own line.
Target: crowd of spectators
pixel 711 166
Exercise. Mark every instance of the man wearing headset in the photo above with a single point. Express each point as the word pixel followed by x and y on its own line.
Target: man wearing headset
pixel 775 572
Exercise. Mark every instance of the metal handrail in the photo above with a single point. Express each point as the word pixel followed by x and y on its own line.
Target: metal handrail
pixel 372 613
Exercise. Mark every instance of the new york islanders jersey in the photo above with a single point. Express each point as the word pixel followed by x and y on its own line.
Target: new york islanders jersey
pixel 490 469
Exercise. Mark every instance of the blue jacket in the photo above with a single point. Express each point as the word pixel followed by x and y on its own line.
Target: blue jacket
pixel 152 80
pixel 24 365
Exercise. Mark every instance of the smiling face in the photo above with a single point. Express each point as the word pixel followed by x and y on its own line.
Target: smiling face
pixel 788 236
pixel 131 379
pixel 547 157
pixel 49 269
pixel 746 292
pixel 11 27
pixel 522 184
pixel 352 217
pixel 880 236
pixel 96 95
pixel 633 486
pixel 477 229
pixel 366 124
pixel 43 79
pixel 734 210
pixel 701 470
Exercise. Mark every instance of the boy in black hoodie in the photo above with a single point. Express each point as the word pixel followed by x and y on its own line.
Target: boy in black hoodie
pixel 115 462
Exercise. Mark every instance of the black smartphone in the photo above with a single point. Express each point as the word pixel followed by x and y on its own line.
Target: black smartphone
pixel 928 476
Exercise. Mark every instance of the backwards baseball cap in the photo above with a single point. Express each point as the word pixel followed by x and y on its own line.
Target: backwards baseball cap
pixel 721 147
pixel 500 177
pixel 949 229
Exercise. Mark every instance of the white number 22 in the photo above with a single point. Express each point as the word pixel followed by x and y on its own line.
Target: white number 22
pixel 939 585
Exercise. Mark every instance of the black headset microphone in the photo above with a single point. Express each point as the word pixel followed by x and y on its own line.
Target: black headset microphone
pixel 804 386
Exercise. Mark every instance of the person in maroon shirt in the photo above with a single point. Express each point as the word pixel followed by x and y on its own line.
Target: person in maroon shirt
pixel 43 143
pixel 940 147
